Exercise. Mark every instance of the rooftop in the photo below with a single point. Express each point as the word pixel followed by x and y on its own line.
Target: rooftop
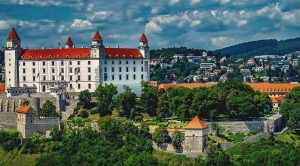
pixel 196 123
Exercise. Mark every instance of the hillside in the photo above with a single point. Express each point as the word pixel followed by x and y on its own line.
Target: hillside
pixel 262 47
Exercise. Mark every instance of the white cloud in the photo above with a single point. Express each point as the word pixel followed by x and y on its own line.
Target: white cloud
pixel 40 3
pixel 80 24
pixel 242 23
pixel 194 2
pixel 6 24
pixel 225 1
pixel 152 27
pixel 90 6
pixel 173 2
pixel 221 41
pixel 99 16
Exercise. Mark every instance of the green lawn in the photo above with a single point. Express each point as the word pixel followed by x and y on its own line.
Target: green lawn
pixel 288 137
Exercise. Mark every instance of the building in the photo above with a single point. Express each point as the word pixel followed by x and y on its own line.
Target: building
pixel 75 68
pixel 276 102
pixel 195 136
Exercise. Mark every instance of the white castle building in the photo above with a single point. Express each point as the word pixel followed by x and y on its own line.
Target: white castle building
pixel 43 70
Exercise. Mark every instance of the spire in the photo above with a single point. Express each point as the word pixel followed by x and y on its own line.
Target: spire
pixel 143 38
pixel 13 35
pixel 69 43
pixel 97 36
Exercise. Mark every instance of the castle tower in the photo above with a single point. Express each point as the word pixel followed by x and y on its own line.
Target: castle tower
pixel 12 53
pixel 69 43
pixel 195 136
pixel 143 46
pixel 97 47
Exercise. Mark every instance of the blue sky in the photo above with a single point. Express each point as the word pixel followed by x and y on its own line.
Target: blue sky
pixel 208 24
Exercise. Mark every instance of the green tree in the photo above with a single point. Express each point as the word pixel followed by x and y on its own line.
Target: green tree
pixel 217 128
pixel 84 114
pixel 160 135
pixel 127 102
pixel 163 106
pixel 149 98
pixel 55 133
pixel 200 103
pixel 177 138
pixel 216 156
pixel 10 139
pixel 48 109
pixel 25 102
pixel 85 98
pixel 105 95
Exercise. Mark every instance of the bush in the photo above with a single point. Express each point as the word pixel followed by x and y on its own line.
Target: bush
pixel 93 111
pixel 84 114
pixel 138 118
pixel 161 135
pixel 10 139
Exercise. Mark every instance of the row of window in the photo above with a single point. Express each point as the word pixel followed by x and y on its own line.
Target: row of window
pixel 61 77
pixel 78 86
pixel 53 63
pixel 120 69
pixel 120 62
pixel 77 70
pixel 121 77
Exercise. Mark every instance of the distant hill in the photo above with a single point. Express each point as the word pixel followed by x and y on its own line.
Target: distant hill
pixel 262 47
pixel 168 52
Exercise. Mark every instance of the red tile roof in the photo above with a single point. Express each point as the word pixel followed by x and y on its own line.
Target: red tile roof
pixel 2 87
pixel 186 85
pixel 97 37
pixel 79 53
pixel 143 38
pixel 23 109
pixel 278 99
pixel 69 42
pixel 13 35
pixel 196 123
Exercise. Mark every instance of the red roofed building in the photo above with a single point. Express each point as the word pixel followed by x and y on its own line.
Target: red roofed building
pixel 77 68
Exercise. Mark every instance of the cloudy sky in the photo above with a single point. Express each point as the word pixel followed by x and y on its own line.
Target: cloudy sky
pixel 208 24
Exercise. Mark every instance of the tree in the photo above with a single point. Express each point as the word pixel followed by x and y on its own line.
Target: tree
pixel 160 135
pixel 163 106
pixel 84 114
pixel 127 101
pixel 55 133
pixel 149 98
pixel 48 109
pixel 10 139
pixel 105 95
pixel 85 98
pixel 217 128
pixel 177 138
pixel 200 103
pixel 216 156
pixel 292 112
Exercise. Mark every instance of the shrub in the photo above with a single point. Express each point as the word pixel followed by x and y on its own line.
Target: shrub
pixel 138 118
pixel 10 139
pixel 84 114
pixel 93 111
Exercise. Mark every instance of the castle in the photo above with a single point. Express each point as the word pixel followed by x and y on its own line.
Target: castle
pixel 76 69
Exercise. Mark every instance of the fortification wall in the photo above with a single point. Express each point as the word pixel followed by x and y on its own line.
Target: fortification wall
pixel 8 120
pixel 41 125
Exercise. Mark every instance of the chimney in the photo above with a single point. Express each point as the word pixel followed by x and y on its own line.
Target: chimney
pixel 36 104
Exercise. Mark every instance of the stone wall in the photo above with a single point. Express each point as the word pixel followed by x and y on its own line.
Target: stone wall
pixel 8 120
pixel 41 125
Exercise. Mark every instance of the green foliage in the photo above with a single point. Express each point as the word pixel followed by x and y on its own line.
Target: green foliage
pixel 149 98
pixel 160 135
pixel 163 107
pixel 217 128
pixel 235 137
pixel 177 138
pixel 84 114
pixel 56 134
pixel 25 102
pixel 216 156
pixel 105 95
pixel 10 139
pixel 85 98
pixel 265 153
pixel 127 102
pixel 48 109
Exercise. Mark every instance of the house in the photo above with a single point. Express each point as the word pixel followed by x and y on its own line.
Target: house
pixel 276 102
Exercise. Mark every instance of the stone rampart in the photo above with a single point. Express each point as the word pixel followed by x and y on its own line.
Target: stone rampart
pixel 8 120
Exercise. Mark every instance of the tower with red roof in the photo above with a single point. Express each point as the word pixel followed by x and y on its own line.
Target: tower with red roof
pixel 69 43
pixel 195 136
pixel 143 46
pixel 13 51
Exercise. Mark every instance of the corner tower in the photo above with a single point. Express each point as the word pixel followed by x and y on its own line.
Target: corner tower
pixel 97 48
pixel 143 46
pixel 69 43
pixel 12 53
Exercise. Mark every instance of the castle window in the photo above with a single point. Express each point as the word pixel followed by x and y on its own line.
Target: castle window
pixel 70 69
pixel 62 63
pixel 9 59
pixel 120 62
pixel 78 78
pixel 112 77
pixel 127 69
pixel 127 76
pixel 89 86
pixel 142 76
pixel 120 69
pixel 142 68
pixel 44 78
pixel 68 56
pixel 89 69
pixel 105 62
pixel 86 55
pixel 105 70
pixel 53 63
pixel 78 62
pixel 112 69
pixel 105 76
pixel 78 86
pixel 44 63
pixel 134 69
pixel 89 78
pixel 24 78
pixel 24 71
pixel 70 78
pixel 112 62
pixel 61 70
pixel 30 57
pixel 71 86
pixel 44 70
pixel 53 70
pixel 133 62
pixel 33 78
pixel 62 78
pixel 142 62
pixel 23 63
pixel 134 77
pixel 70 63
pixel 50 56
pixel 126 62
pixel 120 76
pixel 78 56
pixel 53 77
pixel 89 62
pixel 33 71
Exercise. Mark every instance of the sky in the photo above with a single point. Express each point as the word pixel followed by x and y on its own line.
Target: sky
pixel 206 24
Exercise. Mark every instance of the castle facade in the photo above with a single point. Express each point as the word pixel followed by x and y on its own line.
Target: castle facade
pixel 76 69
